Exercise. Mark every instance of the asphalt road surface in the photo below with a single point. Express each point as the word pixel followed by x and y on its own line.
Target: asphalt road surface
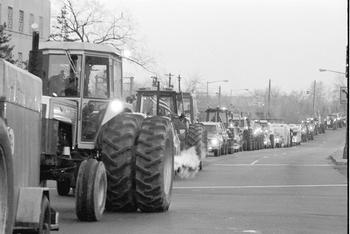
pixel 288 190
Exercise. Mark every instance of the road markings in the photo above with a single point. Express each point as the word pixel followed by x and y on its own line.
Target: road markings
pixel 273 165
pixel 263 186
pixel 249 231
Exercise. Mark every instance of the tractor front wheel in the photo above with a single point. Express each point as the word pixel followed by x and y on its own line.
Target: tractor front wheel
pixel 91 190
pixel 154 171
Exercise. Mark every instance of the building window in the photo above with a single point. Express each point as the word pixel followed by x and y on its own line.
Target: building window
pixel 10 18
pixel 31 22
pixel 20 21
pixel 41 26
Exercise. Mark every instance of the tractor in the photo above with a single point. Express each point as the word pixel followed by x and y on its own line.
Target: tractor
pixel 162 106
pixel 92 141
pixel 188 106
pixel 222 115
pixel 253 134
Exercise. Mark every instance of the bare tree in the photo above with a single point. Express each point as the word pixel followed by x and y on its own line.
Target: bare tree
pixel 89 21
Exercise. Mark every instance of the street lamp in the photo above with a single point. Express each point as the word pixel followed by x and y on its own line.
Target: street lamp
pixel 327 70
pixel 210 82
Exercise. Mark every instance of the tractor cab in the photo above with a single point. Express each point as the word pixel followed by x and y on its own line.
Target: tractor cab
pixel 149 104
pixel 187 105
pixel 218 115
pixel 80 79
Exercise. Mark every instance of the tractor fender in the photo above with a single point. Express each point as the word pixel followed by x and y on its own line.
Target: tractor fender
pixel 29 206
pixel 114 108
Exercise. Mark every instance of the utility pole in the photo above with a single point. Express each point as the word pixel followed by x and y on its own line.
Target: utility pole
pixel 207 92
pixel 179 80
pixel 269 100
pixel 313 101
pixel 170 75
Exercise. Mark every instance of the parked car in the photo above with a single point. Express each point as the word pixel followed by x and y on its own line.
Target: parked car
pixel 216 138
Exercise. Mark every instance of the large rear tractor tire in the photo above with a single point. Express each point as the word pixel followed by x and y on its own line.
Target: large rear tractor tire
pixel 91 189
pixel 116 141
pixel 194 138
pixel 154 165
pixel 6 182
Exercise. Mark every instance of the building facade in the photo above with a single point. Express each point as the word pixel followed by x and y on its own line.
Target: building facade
pixel 19 16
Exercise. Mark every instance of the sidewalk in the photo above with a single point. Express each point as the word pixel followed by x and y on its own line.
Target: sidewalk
pixel 337 157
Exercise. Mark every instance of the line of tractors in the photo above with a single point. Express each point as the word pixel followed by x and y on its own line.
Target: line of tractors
pixel 65 120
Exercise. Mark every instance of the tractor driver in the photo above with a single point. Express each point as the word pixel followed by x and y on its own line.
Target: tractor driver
pixel 71 84
pixel 57 84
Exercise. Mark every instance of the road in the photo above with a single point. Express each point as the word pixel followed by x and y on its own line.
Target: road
pixel 289 190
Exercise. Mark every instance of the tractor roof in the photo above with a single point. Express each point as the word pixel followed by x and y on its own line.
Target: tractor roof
pixel 154 91
pixel 219 109
pixel 79 46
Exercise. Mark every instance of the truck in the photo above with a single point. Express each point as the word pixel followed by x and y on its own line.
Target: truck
pixel 24 198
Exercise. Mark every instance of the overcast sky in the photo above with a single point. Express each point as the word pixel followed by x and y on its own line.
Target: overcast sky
pixel 244 41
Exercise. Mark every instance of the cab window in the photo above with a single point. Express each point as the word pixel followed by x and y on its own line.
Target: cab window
pixel 96 82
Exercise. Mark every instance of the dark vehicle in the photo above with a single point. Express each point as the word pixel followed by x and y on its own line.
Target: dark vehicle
pixel 161 109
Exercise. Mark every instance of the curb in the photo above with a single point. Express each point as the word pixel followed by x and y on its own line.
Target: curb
pixel 335 161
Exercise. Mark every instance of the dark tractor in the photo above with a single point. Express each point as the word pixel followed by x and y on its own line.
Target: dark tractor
pixel 187 105
pixel 162 106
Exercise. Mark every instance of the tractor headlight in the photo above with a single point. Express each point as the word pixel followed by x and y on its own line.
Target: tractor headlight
pixel 214 142
pixel 116 106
